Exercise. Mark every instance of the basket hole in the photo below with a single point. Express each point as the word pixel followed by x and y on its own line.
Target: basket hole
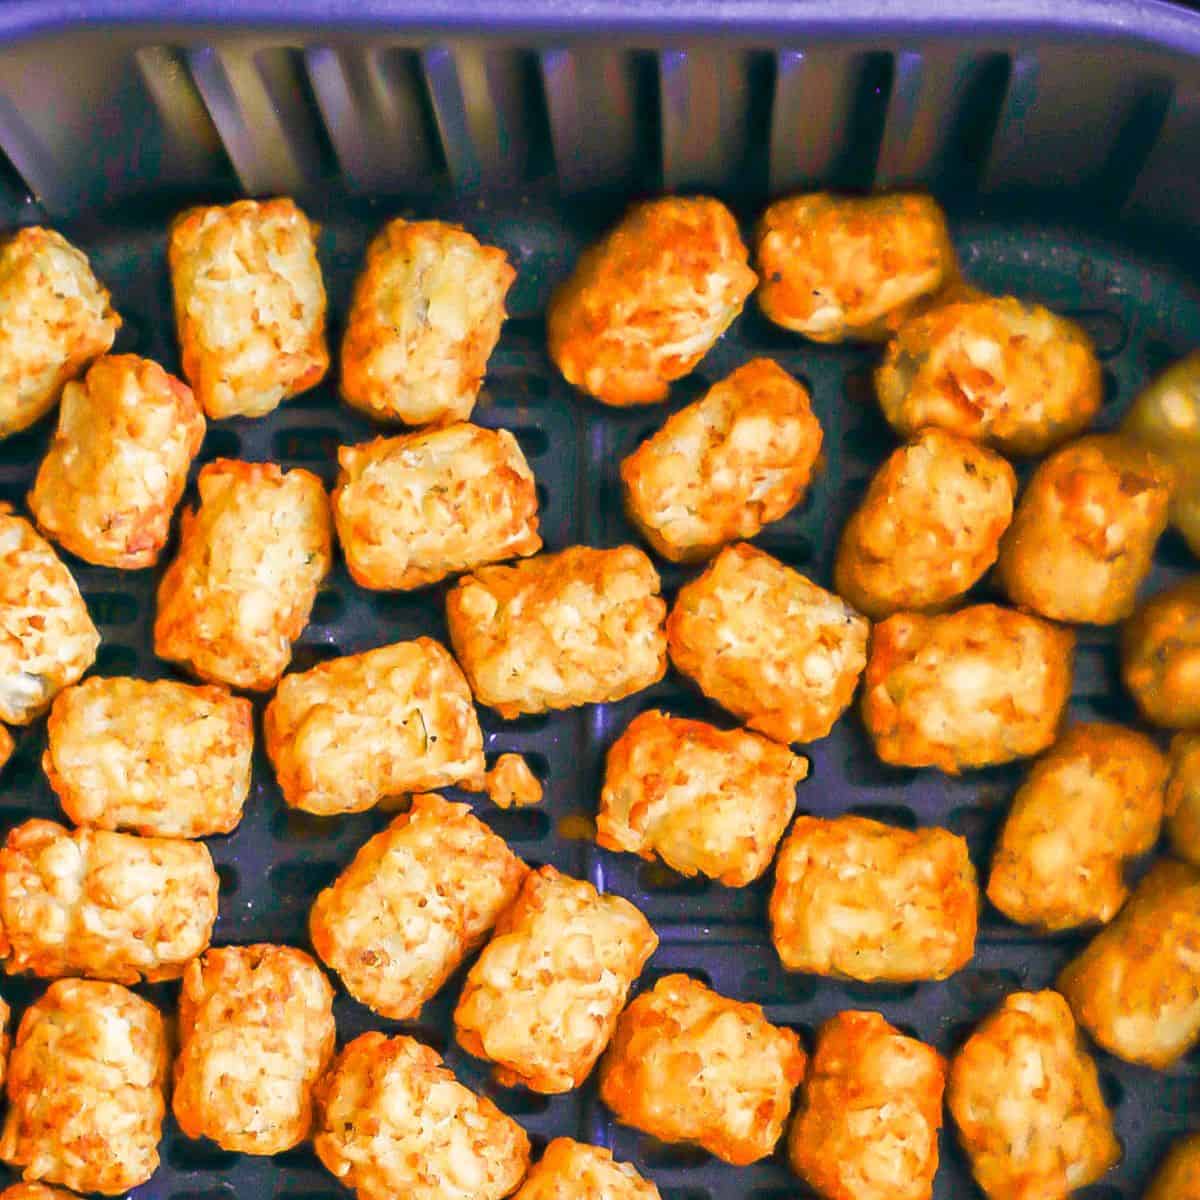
pixel 1112 1089
pixel 764 985
pixel 1112 388
pixel 667 1156
pixel 228 880
pixel 1107 330
pixel 534 442
pixel 984 987
pixel 658 878
pixel 301 880
pixel 328 607
pixel 116 660
pixel 25 448
pixel 518 824
pixel 517 1102
pixel 224 1192
pixel 654 974
pixel 112 608
pixel 318 444
pixel 219 443
pixel 187 1155
pixel 792 549
pixel 685 1194
pixel 543 496
pixel 308 654
pixel 429 1035
pixel 1176 1096
pixel 299 1158
pixel 899 815
pixel 880 993
pixel 291 823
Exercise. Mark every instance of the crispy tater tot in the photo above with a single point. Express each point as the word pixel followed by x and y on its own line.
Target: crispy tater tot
pixel 867 1126
pixel 511 783
pixel 1025 1095
pixel 1183 797
pixel 424 320
pixel 246 574
pixel 256 1032
pixel 582 626
pixel 571 1170
pixel 85 1088
pixel 704 800
pixel 1010 374
pixel 1092 802
pixel 118 464
pixel 35 1191
pixel 980 686
pixel 7 746
pixel 417 899
pixel 161 758
pixel 858 899
pixel 1136 986
pixel 722 468
pixel 5 1038
pixel 1160 656
pixel 645 305
pixel 1084 533
pixel 55 317
pixel 837 267
pixel 411 510
pixel 47 639
pixel 106 905
pixel 249 304
pixel 687 1064
pixel 1179 1176
pixel 543 998
pixel 393 1121
pixel 354 730
pixel 928 527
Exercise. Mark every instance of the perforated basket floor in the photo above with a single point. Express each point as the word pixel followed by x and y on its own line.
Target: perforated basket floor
pixel 1141 314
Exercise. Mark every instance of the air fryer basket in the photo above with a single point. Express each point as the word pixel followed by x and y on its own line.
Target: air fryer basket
pixel 1066 148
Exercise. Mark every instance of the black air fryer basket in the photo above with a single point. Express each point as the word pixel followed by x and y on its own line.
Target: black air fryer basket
pixel 1064 141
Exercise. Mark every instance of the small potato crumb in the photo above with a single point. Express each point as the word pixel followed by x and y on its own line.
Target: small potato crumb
pixel 1183 797
pixel 1084 533
pixel 1094 801
pixel 543 998
pixel 857 899
pixel 392 1122
pixel 768 644
pixel 1012 375
pixel 722 468
pixel 1179 1176
pixel 425 318
pixel 1025 1095
pixel 1160 656
pixel 411 510
pixel 417 899
pixel 85 1088
pixel 55 317
pixel 702 799
pixel 511 784
pixel 118 463
pixel 571 1170
pixel 928 527
pixel 249 305
pixel 981 686
pixel 106 905
pixel 687 1064
pixel 644 305
pixel 867 1126
pixel 1136 986
pixel 583 626
pixel 47 639
pixel 838 267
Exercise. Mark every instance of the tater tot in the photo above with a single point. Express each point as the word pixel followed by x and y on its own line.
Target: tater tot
pixel 1084 533
pixel 704 800
pixel 837 267
pixel 5 1038
pixel 1183 797
pixel 7 747
pixel 393 1121
pixel 256 1033
pixel 35 1191
pixel 246 574
pixel 1000 371
pixel 543 998
pixel 394 720
pixel 511 783
pixel 424 320
pixel 1092 802
pixel 47 639
pixel 645 305
pixel 1179 1176
pixel 687 1064
pixel 417 899
pixel 411 510
pixel 55 317
pixel 1160 656
pixel 928 527
pixel 722 468
pixel 768 644
pixel 249 304
pixel 867 1126
pixel 981 686
pixel 85 1088
pixel 1136 986
pixel 858 899
pixel 118 464
pixel 583 626
pixel 106 905
pixel 571 1170
pixel 1025 1095
pixel 161 758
